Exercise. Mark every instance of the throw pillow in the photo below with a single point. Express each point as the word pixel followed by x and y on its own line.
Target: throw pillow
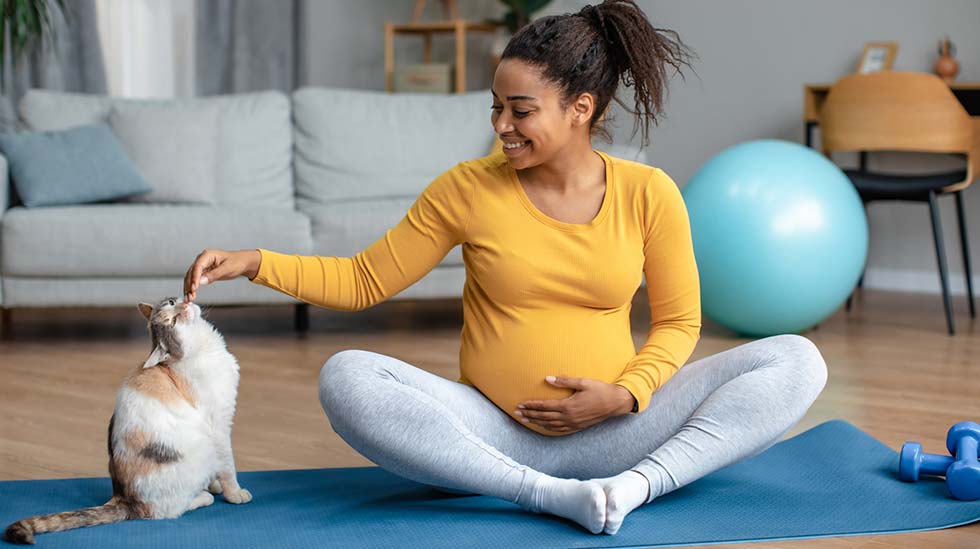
pixel 75 166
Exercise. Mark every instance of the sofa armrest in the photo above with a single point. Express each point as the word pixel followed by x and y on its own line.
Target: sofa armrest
pixel 4 185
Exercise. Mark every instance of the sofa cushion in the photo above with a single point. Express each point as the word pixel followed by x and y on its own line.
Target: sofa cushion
pixel 346 228
pixel 75 166
pixel 175 148
pixel 254 137
pixel 102 291
pixel 138 239
pixel 128 291
pixel 354 145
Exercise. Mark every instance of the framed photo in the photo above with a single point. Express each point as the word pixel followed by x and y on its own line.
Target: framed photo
pixel 877 56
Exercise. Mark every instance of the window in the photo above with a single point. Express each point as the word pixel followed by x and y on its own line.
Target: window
pixel 148 47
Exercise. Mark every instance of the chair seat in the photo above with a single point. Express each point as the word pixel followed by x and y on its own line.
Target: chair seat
pixel 877 186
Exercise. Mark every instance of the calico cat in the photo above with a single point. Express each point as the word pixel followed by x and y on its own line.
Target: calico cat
pixel 170 431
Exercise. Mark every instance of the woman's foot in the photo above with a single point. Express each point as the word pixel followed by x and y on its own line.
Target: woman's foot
pixel 624 492
pixel 578 500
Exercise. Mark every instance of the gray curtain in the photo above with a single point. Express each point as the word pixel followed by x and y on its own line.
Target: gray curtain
pixel 71 62
pixel 248 45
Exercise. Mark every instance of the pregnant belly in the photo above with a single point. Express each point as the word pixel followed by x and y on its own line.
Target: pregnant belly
pixel 511 368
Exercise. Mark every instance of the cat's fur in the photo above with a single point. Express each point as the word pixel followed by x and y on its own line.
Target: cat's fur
pixel 170 431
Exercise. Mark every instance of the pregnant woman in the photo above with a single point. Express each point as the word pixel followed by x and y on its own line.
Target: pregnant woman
pixel 554 409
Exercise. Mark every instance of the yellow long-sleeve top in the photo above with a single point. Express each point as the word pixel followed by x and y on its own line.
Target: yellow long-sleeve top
pixel 542 297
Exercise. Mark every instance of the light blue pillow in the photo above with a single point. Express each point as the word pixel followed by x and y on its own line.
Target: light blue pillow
pixel 74 166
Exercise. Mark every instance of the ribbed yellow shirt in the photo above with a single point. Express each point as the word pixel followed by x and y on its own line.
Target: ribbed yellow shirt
pixel 542 297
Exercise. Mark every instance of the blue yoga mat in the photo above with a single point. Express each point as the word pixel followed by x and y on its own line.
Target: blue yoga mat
pixel 833 480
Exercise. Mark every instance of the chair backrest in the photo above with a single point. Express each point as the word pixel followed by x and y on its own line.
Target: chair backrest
pixel 897 111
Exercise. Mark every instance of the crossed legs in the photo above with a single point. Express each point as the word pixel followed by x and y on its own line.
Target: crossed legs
pixel 713 412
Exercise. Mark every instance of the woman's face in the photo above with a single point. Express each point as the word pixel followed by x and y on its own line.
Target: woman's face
pixel 527 114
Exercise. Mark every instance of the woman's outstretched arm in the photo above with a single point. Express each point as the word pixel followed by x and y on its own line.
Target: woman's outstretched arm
pixel 434 224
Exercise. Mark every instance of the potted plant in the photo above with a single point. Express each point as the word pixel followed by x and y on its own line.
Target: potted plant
pixel 518 14
pixel 946 65
pixel 24 26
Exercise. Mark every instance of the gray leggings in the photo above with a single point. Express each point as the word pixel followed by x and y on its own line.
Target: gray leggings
pixel 713 412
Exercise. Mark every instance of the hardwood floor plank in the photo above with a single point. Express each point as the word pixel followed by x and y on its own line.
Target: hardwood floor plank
pixel 893 372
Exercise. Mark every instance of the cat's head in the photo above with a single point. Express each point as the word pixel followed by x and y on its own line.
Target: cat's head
pixel 173 325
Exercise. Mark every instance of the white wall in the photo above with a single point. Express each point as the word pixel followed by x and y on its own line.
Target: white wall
pixel 754 57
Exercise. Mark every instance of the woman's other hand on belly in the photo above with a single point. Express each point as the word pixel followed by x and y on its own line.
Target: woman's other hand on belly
pixel 593 402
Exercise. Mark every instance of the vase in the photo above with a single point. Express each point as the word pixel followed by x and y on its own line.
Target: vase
pixel 946 65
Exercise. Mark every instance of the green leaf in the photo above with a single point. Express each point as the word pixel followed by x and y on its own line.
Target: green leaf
pixel 511 21
pixel 26 25
pixel 531 6
pixel 520 12
pixel 3 50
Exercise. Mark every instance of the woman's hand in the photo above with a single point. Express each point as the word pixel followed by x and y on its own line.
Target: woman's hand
pixel 594 401
pixel 214 265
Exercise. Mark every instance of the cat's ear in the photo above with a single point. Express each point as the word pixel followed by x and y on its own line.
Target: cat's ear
pixel 158 355
pixel 146 309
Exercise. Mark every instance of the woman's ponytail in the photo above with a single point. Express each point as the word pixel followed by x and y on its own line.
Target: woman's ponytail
pixel 592 51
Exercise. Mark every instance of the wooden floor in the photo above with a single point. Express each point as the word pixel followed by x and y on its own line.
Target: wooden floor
pixel 893 372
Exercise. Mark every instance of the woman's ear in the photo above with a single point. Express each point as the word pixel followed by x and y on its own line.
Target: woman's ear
pixel 583 108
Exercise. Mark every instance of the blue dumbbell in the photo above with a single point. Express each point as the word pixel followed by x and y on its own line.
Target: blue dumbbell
pixel 913 462
pixel 963 476
pixel 962 473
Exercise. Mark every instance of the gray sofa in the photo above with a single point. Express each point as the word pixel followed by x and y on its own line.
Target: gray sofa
pixel 323 171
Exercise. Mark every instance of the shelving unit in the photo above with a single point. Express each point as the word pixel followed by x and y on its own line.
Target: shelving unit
pixel 458 27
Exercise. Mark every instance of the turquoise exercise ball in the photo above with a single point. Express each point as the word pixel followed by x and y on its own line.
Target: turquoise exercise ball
pixel 780 236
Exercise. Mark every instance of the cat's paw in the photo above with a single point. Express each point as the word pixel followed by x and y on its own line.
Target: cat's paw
pixel 241 496
pixel 215 487
pixel 202 500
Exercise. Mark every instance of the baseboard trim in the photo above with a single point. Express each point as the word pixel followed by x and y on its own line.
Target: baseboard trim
pixel 923 282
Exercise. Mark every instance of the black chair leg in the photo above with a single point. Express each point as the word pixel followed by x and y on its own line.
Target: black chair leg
pixel 301 317
pixel 937 233
pixel 6 323
pixel 966 253
pixel 860 284
pixel 850 298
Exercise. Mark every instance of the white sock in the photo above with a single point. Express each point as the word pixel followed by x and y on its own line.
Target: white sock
pixel 624 492
pixel 580 500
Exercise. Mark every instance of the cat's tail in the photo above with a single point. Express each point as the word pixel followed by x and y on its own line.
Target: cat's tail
pixel 22 531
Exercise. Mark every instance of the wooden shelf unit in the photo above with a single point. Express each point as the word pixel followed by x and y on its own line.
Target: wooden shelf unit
pixel 458 27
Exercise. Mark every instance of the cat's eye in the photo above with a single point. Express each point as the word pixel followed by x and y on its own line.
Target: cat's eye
pixel 172 302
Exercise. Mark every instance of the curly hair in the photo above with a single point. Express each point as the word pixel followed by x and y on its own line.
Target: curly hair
pixel 593 50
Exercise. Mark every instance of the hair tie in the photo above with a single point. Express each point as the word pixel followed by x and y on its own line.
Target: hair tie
pixel 594 15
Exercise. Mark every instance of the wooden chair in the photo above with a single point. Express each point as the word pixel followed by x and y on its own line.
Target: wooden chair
pixel 905 111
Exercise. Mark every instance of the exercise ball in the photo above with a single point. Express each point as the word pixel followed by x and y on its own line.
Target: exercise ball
pixel 780 237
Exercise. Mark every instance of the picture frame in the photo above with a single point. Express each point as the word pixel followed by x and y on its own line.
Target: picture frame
pixel 877 56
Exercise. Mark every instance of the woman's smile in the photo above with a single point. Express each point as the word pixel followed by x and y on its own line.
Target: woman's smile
pixel 516 148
